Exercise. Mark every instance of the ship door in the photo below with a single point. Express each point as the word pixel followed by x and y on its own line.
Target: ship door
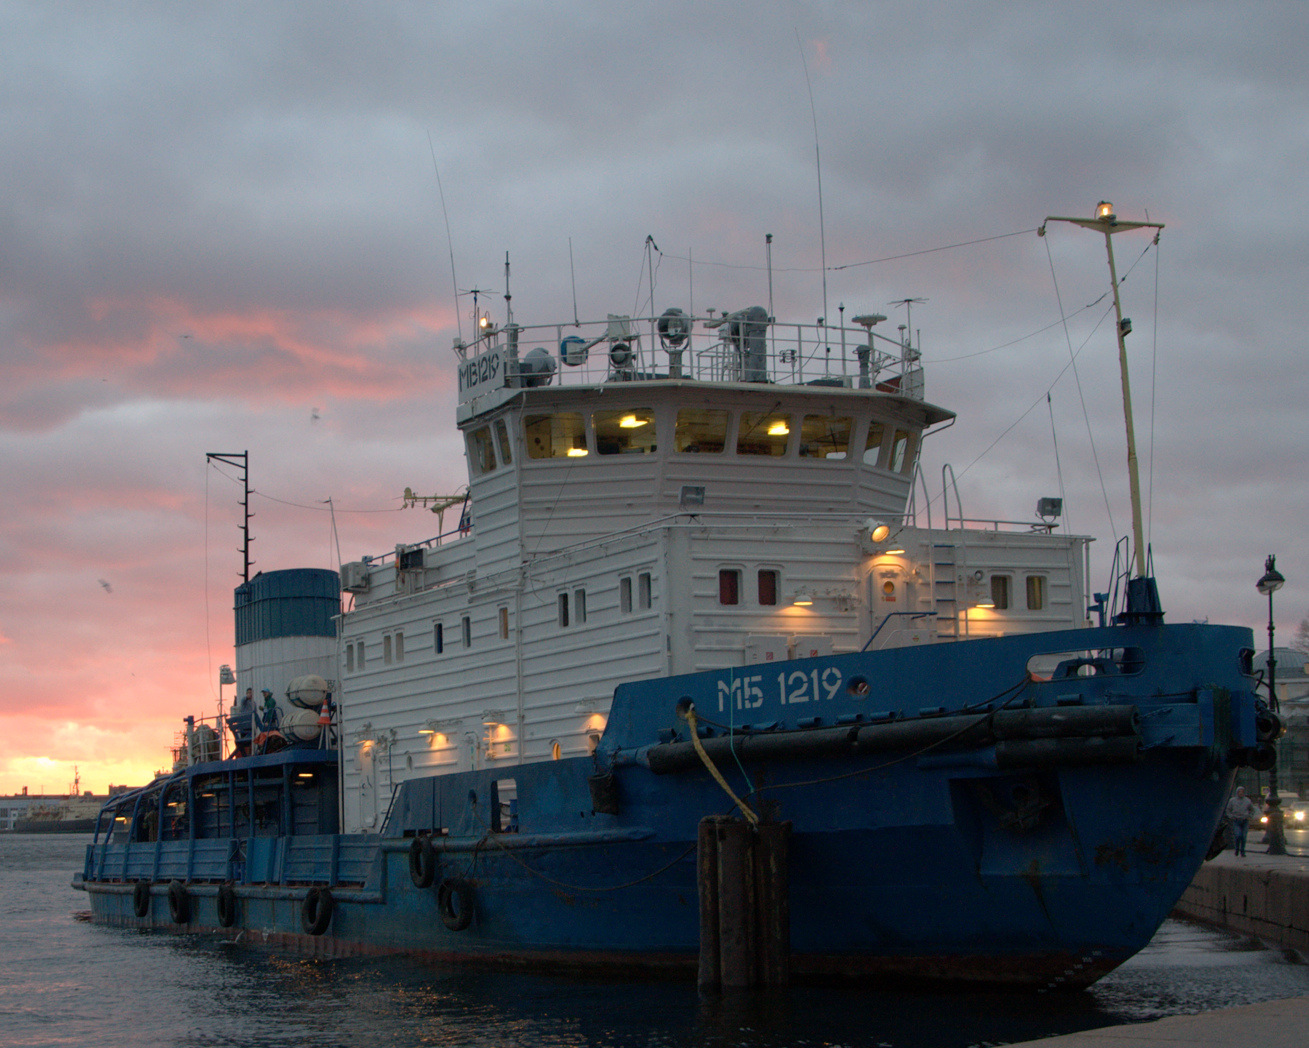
pixel 893 595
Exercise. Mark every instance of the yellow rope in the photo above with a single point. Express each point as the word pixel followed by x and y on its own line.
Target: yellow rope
pixel 688 714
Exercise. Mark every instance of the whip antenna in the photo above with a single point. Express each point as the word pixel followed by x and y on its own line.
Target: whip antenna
pixel 454 284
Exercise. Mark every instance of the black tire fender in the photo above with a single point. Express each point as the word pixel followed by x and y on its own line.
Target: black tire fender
pixel 422 862
pixel 316 911
pixel 179 902
pixel 141 898
pixel 226 905
pixel 455 900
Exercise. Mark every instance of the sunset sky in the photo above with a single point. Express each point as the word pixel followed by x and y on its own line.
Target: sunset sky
pixel 221 229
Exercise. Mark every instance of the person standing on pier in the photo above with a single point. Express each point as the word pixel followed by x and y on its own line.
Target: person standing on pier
pixel 1240 810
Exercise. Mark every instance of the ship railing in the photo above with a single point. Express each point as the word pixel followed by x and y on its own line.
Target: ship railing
pixel 733 347
pixel 732 518
pixel 303 859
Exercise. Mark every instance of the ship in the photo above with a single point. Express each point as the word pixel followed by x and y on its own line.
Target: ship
pixel 71 814
pixel 697 687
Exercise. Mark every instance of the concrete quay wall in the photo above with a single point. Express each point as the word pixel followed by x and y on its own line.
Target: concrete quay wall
pixel 1262 895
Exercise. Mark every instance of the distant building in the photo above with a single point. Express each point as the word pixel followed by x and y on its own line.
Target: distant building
pixel 1292 682
pixel 12 809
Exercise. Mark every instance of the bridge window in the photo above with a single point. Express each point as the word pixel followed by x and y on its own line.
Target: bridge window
pixel 902 451
pixel 873 444
pixel 481 452
pixel 502 441
pixel 729 586
pixel 625 595
pixel 643 598
pixel 438 638
pixel 700 430
pixel 824 437
pixel 763 433
pixel 630 431
pixel 768 586
pixel 561 435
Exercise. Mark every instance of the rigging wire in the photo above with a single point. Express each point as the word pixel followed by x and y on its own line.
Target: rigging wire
pixel 1081 396
pixel 1058 469
pixel 855 265
pixel 209 647
pixel 1154 386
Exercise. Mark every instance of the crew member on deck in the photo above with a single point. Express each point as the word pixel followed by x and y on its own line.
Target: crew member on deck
pixel 241 721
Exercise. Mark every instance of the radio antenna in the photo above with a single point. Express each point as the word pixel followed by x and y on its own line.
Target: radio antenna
pixel 818 165
pixel 454 284
pixel 572 273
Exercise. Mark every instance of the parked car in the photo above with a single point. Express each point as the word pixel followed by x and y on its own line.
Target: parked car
pixel 1295 814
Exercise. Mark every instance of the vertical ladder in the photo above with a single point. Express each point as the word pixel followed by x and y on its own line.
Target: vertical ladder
pixel 945 589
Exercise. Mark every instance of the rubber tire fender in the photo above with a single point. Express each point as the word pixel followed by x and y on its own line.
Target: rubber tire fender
pixel 316 911
pixel 422 863
pixel 141 898
pixel 226 905
pixel 455 900
pixel 179 903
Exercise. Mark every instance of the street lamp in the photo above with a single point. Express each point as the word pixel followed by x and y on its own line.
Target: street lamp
pixel 1270 583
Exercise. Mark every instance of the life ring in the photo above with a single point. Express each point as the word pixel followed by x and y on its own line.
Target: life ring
pixel 226 905
pixel 179 903
pixel 316 911
pixel 454 900
pixel 141 898
pixel 422 862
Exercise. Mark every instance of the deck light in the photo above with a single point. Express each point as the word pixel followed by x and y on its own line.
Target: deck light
pixel 632 422
pixel 779 429
pixel 803 598
pixel 577 453
pixel 878 530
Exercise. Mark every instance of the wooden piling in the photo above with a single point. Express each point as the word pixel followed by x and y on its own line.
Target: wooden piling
pixel 707 884
pixel 743 885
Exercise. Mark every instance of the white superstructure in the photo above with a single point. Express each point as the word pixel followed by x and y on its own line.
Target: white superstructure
pixel 741 504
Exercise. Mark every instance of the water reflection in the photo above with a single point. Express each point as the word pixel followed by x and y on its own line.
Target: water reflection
pixel 1186 969
pixel 63 982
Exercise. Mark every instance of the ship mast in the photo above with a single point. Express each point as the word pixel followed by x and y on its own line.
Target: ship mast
pixel 1107 222
pixel 241 459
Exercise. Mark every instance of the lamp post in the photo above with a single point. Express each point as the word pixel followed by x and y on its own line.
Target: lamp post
pixel 1270 583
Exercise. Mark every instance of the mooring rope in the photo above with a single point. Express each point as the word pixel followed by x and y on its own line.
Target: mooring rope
pixel 686 710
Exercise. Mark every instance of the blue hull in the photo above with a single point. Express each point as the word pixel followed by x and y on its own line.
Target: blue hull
pixel 951 815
